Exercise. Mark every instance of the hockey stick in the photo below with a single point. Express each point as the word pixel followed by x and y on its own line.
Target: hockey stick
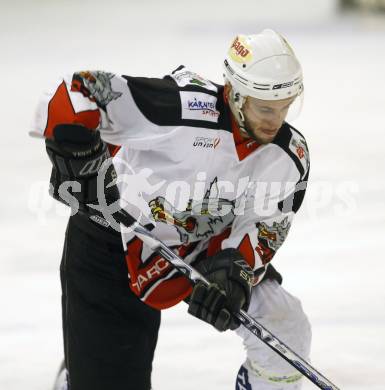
pixel 248 322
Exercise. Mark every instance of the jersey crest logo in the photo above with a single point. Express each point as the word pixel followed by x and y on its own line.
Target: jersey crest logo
pixel 96 86
pixel 201 219
pixel 271 238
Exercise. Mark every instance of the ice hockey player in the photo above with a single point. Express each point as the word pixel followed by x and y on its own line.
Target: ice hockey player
pixel 217 169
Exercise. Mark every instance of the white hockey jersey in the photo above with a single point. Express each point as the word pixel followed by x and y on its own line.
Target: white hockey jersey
pixel 181 160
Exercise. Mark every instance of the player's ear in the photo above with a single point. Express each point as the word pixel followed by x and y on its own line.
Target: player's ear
pixel 227 91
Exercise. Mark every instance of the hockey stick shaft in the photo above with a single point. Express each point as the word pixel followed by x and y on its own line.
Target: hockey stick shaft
pixel 248 322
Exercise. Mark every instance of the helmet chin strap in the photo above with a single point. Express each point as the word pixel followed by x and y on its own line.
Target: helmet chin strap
pixel 236 101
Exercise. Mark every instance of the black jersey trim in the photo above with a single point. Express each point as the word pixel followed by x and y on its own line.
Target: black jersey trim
pixel 283 139
pixel 294 201
pixel 159 102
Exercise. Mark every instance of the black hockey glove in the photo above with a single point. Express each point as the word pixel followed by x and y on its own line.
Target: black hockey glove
pixel 229 291
pixel 77 154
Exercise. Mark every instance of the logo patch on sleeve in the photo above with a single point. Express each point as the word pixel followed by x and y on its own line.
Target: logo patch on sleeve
pixel 199 106
pixel 185 77
pixel 96 86
pixel 299 148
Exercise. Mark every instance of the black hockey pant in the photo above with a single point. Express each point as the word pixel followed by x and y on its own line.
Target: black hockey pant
pixel 109 334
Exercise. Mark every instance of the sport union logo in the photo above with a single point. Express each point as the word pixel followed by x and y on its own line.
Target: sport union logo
pixel 206 142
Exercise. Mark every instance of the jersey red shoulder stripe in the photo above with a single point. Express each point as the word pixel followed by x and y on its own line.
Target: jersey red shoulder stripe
pixel 60 111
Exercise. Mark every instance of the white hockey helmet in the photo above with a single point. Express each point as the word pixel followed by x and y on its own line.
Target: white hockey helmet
pixel 263 66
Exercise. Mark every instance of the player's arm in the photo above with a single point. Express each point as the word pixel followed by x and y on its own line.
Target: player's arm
pixel 256 234
pixel 240 264
pixel 100 100
pixel 77 154
pixel 63 103
pixel 77 116
pixel 70 119
pixel 263 226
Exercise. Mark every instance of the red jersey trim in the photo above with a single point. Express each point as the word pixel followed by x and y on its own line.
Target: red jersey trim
pixel 247 250
pixel 157 283
pixel 61 111
pixel 243 146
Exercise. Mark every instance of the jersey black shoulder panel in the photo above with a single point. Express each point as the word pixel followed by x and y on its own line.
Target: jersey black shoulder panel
pixel 157 99
pixel 294 144
pixel 175 101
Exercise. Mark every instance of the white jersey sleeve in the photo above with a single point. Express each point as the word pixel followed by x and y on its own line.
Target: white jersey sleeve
pixel 105 101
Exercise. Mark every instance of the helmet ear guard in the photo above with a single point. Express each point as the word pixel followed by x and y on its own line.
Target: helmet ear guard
pixel 236 100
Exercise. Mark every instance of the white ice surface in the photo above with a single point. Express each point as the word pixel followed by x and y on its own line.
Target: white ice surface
pixel 334 256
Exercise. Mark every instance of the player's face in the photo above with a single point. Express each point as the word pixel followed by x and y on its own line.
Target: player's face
pixel 263 118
